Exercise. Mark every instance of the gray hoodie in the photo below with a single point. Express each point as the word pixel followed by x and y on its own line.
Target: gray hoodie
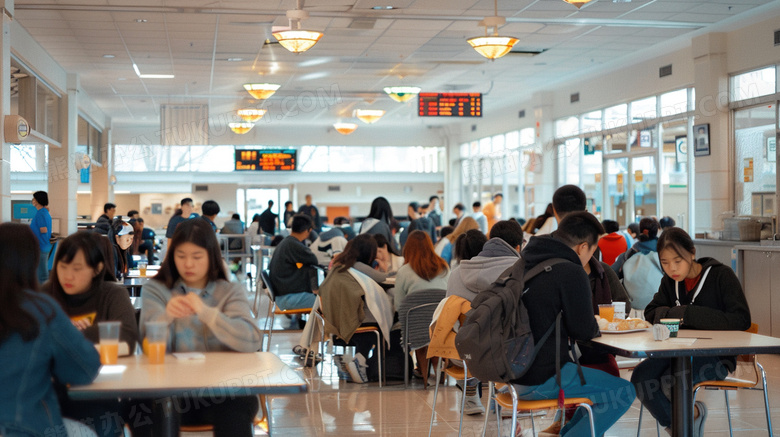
pixel 476 274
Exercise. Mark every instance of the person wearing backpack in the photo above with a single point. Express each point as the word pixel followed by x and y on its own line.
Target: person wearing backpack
pixel 639 267
pixel 565 290
pixel 704 294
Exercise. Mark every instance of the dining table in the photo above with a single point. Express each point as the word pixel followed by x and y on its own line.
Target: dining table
pixel 215 374
pixel 681 350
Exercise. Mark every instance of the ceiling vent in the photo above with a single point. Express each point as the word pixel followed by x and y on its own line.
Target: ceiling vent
pixel 362 23
pixel 664 71
pixel 777 37
pixel 521 114
pixel 574 98
pixel 201 188
pixel 334 187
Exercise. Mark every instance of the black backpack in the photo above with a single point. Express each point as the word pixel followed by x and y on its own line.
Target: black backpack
pixel 495 340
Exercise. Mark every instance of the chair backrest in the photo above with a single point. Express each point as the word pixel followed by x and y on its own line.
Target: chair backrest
pixel 416 313
pixel 266 277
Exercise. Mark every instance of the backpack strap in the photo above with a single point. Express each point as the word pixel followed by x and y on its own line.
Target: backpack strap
pixel 544 266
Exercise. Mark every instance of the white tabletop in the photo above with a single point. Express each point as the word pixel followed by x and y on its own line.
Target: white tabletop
pixel 689 342
pixel 221 373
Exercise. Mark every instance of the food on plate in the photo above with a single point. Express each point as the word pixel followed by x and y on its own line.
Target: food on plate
pixel 621 324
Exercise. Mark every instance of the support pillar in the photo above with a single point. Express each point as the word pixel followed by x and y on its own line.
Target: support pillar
pixel 5 109
pixel 102 190
pixel 63 177
pixel 714 175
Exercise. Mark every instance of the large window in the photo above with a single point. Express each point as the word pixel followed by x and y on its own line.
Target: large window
pixel 756 163
pixel 754 84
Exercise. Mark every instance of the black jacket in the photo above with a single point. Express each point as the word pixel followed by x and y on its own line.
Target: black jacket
pixel 721 304
pixel 565 289
pixel 286 276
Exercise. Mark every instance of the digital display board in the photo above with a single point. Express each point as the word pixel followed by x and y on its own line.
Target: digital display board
pixel 449 105
pixel 266 159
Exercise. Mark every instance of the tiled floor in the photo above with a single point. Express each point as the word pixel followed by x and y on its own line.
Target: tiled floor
pixel 334 407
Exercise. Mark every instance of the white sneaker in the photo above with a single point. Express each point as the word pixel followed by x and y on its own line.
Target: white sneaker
pixel 473 405
pixel 357 369
pixel 341 368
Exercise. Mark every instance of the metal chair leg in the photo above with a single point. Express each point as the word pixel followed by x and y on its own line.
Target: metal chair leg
pixel 435 395
pixel 728 412
pixel 766 399
pixel 590 419
pixel 463 398
pixel 487 411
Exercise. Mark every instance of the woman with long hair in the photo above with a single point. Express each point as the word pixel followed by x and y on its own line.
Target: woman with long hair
pixel 204 312
pixel 82 283
pixel 422 269
pixel 379 220
pixel 445 246
pixel 348 293
pixel 38 344
pixel 703 294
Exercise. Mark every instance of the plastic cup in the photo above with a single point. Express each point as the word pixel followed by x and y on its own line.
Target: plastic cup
pixel 142 268
pixel 154 343
pixel 109 342
pixel 673 325
pixel 607 311
pixel 620 310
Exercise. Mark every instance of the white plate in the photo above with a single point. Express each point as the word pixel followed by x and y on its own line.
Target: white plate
pixel 604 331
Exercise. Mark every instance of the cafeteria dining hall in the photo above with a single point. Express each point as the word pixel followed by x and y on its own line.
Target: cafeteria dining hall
pixel 398 217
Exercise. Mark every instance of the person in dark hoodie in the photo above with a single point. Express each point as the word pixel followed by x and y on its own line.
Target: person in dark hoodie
pixel 566 290
pixel 498 254
pixel 704 294
pixel 476 274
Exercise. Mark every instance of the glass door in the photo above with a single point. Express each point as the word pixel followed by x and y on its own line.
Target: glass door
pixel 256 201
pixel 755 139
pixel 674 171
pixel 645 187
pixel 616 198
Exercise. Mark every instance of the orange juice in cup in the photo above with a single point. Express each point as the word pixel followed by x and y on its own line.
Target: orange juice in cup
pixel 109 342
pixel 109 353
pixel 154 343
pixel 142 268
pixel 607 311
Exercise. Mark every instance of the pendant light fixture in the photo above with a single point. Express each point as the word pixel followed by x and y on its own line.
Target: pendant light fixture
pixel 369 116
pixel 493 46
pixel 251 115
pixel 241 128
pixel 402 94
pixel 345 128
pixel 261 91
pixel 296 39
pixel 578 3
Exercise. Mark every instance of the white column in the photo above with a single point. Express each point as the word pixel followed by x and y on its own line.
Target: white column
pixel 102 190
pixel 545 182
pixel 714 177
pixel 63 178
pixel 5 109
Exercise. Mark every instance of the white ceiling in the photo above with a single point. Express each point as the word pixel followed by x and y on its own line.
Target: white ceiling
pixel 422 43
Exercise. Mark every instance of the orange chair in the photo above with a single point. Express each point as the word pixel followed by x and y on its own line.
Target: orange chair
pixel 509 400
pixel 732 383
pixel 273 309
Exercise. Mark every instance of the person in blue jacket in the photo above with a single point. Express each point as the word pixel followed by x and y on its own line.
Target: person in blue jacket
pixel 41 227
pixel 38 343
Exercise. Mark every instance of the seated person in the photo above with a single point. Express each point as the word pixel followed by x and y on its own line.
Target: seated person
pixel 704 294
pixel 447 243
pixel 387 261
pixel 121 237
pixel 565 290
pixel 145 238
pixel 351 297
pixel 205 312
pixel 329 244
pixel 346 227
pixel 292 269
pixel 612 244
pixel 422 269
pixel 38 343
pixel 81 282
pixel 498 254
pixel 234 226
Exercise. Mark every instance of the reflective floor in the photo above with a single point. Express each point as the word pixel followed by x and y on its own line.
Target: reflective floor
pixel 334 407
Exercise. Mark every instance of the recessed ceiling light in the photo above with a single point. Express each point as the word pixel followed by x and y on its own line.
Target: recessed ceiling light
pixel 141 20
pixel 383 8
pixel 121 78
pixel 109 56
pixel 235 59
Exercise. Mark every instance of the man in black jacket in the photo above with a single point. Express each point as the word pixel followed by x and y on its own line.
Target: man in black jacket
pixel 566 290
pixel 292 268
